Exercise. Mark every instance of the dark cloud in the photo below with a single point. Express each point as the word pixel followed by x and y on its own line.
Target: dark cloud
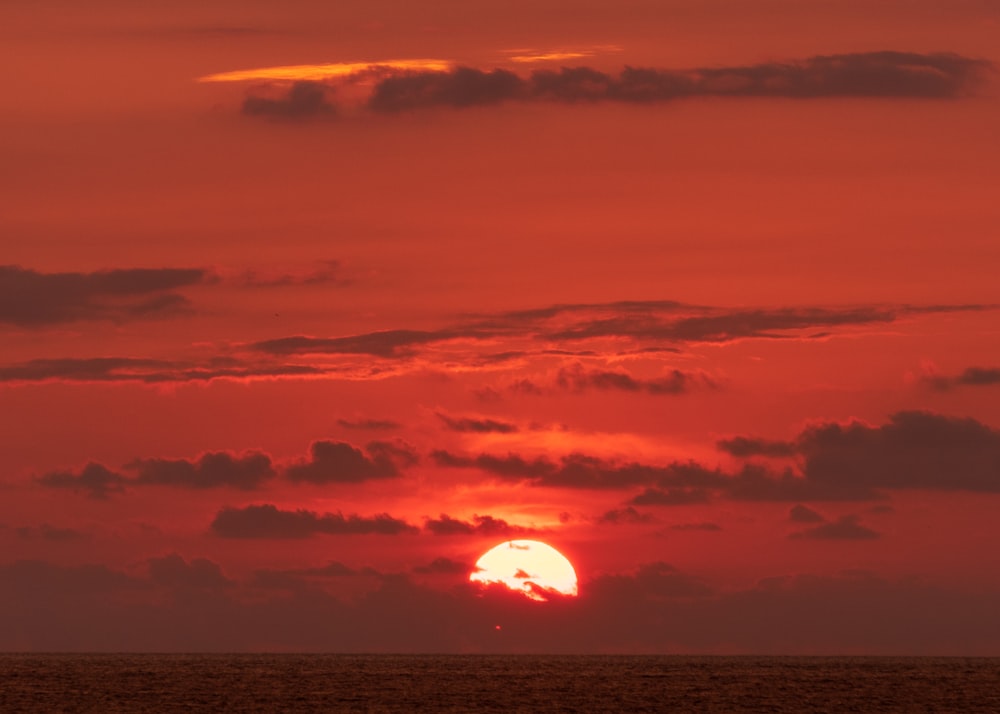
pixel 577 378
pixel 620 516
pixel 655 608
pixel 387 343
pixel 331 273
pixel 853 462
pixel 148 371
pixel 722 325
pixel 50 533
pixel 670 497
pixel 443 566
pixel 572 471
pixel 914 450
pixel 882 74
pixel 705 526
pixel 268 521
pixel 340 462
pixel 32 299
pixel 303 100
pixel 653 581
pixel 648 323
pixel 211 470
pixel 299 578
pixel 461 87
pixel 478 426
pixel 803 514
pixel 845 528
pixel 173 571
pixel 369 424
pixel 971 377
pixel 95 480
pixel 445 525
pixel 743 447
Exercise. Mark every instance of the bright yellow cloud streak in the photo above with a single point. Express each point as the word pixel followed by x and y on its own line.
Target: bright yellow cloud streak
pixel 549 56
pixel 325 71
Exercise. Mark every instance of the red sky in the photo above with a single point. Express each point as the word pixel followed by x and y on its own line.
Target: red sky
pixel 707 301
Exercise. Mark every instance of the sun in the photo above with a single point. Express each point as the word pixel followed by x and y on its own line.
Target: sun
pixel 529 567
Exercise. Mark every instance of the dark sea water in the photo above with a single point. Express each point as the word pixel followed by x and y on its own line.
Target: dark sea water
pixel 433 683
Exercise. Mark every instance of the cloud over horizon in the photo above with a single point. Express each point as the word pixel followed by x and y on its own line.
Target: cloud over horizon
pixel 861 75
pixel 268 521
pixel 29 298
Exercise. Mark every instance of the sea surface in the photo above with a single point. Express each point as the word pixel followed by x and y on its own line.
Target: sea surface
pixel 500 683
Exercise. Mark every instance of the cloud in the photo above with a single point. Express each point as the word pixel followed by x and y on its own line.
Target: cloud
pixel 369 424
pixel 883 74
pixel 461 87
pixel 621 516
pixel 298 578
pixel 572 471
pixel 835 462
pixel 445 525
pixel 655 608
pixel 670 497
pixel 705 526
pixel 804 514
pixel 304 99
pixel 477 426
pixel 211 470
pixel 403 86
pixel 268 521
pixel 173 571
pixel 443 566
pixel 744 447
pixel 652 327
pixel 578 379
pixel 387 343
pixel 845 528
pixel 340 462
pixel 653 581
pixel 29 298
pixel 970 377
pixel 330 273
pixel 95 480
pixel 914 450
pixel 147 371
pixel 50 533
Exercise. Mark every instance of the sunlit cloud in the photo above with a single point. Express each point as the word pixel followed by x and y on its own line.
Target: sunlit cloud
pixel 317 72
pixel 527 55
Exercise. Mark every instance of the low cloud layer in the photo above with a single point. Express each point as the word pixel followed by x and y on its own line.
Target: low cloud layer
pixel 834 462
pixel 340 462
pixel 864 75
pixel 304 99
pixel 970 377
pixel 913 450
pixel 845 528
pixel 654 608
pixel 329 462
pixel 268 521
pixel 29 298
pixel 146 371
pixel 212 470
pixel 578 379
pixel 445 525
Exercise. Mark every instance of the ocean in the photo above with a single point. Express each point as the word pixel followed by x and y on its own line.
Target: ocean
pixel 493 683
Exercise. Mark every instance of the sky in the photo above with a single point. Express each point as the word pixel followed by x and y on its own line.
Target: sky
pixel 304 306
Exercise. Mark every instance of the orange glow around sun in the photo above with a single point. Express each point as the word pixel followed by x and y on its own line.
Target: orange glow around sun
pixel 529 567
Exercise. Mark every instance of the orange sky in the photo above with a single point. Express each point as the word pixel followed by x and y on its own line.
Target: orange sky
pixel 703 295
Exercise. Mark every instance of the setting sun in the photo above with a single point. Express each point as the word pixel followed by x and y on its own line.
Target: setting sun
pixel 527 566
